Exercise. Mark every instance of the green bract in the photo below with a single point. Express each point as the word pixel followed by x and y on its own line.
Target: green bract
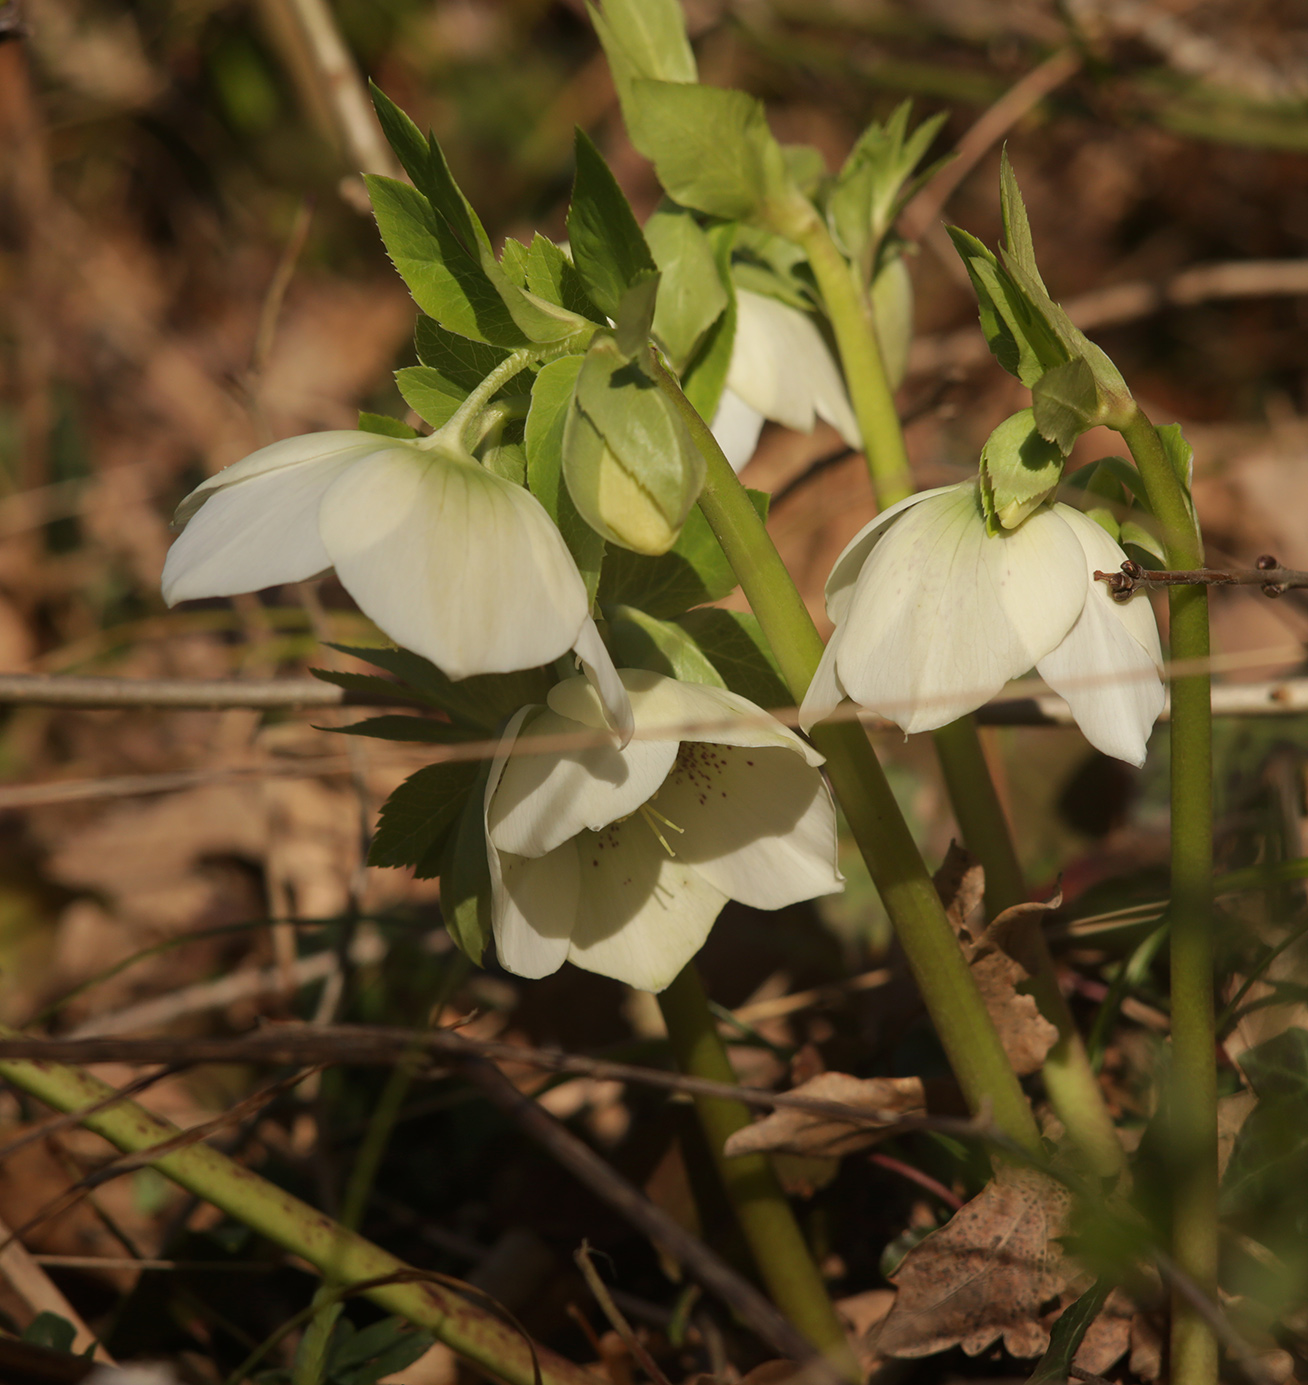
pixel 1019 471
pixel 630 466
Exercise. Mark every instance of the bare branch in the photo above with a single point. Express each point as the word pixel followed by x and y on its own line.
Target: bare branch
pixel 1266 573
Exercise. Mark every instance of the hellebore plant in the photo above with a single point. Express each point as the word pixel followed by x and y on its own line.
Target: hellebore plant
pixel 619 860
pixel 934 614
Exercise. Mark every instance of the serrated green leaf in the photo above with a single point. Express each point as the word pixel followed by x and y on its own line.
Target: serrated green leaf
pixel 705 377
pixel 479 702
pixel 552 275
pixel 692 295
pixel 712 148
pixel 639 640
pixel 507 459
pixel 633 322
pixel 643 38
pixel 1147 545
pixel 1055 1366
pixel 693 571
pixel 1181 455
pixel 463 362
pixel 429 394
pixel 416 819
pixel 551 397
pixel 446 282
pixel 402 728
pixel 381 1349
pixel 1066 403
pixel 465 875
pixel 1019 470
pixel 734 643
pixel 513 261
pixel 608 248
pixel 385 426
pixel 1017 225
pixel 1121 473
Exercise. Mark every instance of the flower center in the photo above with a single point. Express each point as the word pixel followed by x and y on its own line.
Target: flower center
pixel 653 817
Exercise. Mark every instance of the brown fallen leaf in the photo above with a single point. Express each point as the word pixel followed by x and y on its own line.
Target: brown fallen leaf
pixel 985 1274
pixel 791 1131
pixel 999 958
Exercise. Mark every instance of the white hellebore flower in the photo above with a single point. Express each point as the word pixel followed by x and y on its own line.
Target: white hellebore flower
pixel 780 369
pixel 934 615
pixel 620 860
pixel 449 559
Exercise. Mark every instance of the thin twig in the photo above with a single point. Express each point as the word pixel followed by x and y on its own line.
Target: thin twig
pixel 610 1310
pixel 701 1262
pixel 1266 573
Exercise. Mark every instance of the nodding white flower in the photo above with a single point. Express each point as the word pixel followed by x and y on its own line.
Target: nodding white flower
pixel 934 615
pixel 447 558
pixel 620 860
pixel 781 369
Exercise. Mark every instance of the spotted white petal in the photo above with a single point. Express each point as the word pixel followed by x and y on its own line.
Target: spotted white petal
pixel 736 426
pixel 603 677
pixel 840 585
pixel 260 529
pixel 543 799
pixel 781 366
pixel 943 614
pixel 757 822
pixel 1108 665
pixel 642 913
pixel 452 561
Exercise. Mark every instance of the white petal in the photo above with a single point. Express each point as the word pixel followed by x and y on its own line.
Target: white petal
pixel 826 692
pixel 603 677
pixel 255 531
pixel 697 712
pixel 1107 668
pixel 307 447
pixel 781 366
pixel 736 426
pixel 533 910
pixel 758 823
pixel 1103 555
pixel 453 562
pixel 840 585
pixel 543 799
pixel 642 914
pixel 943 614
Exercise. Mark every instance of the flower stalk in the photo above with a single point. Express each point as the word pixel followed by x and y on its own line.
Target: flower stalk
pixel 765 1216
pixel 343 1255
pixel 951 997
pixel 1193 1103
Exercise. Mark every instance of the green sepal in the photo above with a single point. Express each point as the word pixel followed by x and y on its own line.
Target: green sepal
pixel 387 427
pixel 419 815
pixel 1019 471
pixel 480 702
pixel 692 295
pixel 465 874
pixel 429 394
pixel 1142 544
pixel 637 639
pixel 551 398
pixel 734 643
pixel 513 261
pixel 629 464
pixel 633 320
pixel 693 571
pixel 608 249
pixel 1066 402
pixel 712 148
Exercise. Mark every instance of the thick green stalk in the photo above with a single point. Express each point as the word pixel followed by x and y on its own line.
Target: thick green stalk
pixel 894 862
pixel 1193 1098
pixel 1068 1074
pixel 850 313
pixel 780 1251
pixel 301 1230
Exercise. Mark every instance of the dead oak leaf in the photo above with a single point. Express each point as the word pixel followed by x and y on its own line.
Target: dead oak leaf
pixel 985 1274
pixel 789 1130
pixel 999 957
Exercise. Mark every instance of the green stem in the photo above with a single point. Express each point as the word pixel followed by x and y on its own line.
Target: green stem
pixel 300 1229
pixel 850 311
pixel 894 862
pixel 1069 1076
pixel 756 1196
pixel 454 432
pixel 1193 1103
